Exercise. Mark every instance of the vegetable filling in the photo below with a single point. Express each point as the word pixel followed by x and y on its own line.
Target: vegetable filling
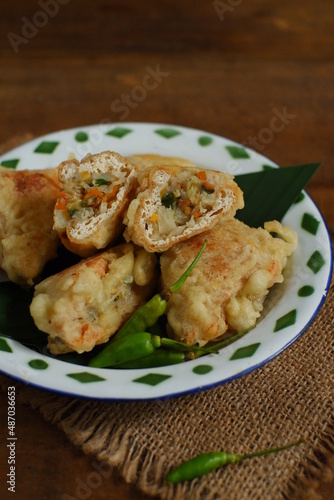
pixel 184 202
pixel 91 194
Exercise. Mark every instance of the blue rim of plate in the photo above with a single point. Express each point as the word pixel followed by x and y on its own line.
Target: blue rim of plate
pixel 286 316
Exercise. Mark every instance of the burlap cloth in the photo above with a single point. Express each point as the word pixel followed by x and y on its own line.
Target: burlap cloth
pixel 288 399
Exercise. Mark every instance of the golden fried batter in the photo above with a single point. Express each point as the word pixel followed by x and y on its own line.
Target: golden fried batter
pixel 87 303
pixel 228 286
pixel 147 161
pixel 27 240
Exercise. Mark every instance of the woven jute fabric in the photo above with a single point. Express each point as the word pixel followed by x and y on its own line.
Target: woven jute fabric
pixel 288 399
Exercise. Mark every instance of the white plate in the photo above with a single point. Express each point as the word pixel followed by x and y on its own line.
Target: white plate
pixel 256 348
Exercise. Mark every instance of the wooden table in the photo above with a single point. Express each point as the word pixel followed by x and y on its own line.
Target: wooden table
pixel 228 67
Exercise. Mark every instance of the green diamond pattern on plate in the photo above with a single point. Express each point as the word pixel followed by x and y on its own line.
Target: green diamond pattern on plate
pixel 119 132
pixel 167 133
pixel 305 291
pixel 38 364
pixel 202 369
pixel 152 379
pixel 287 320
pixel 245 352
pixel 85 377
pixel 205 140
pixel 46 147
pixel 10 163
pixel 237 152
pixel 310 223
pixel 4 346
pixel 81 137
pixel 315 262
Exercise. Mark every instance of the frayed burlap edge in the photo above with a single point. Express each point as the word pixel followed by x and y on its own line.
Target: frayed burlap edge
pixel 145 439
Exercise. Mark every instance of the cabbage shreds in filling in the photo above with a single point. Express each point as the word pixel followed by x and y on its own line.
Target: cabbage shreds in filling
pixel 90 194
pixel 184 202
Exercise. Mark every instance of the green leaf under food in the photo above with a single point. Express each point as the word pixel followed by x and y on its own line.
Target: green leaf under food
pixel 15 320
pixel 270 193
pixel 74 358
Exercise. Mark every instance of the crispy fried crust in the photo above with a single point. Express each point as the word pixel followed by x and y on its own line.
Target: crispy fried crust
pixel 95 194
pixel 86 304
pixel 28 241
pixel 201 198
pixel 228 286
pixel 147 161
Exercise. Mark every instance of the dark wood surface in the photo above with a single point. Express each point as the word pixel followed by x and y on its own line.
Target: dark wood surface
pixel 228 67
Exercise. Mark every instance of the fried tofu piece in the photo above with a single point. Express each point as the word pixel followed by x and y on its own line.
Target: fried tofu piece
pixel 147 161
pixel 95 194
pixel 228 286
pixel 84 305
pixel 174 203
pixel 27 239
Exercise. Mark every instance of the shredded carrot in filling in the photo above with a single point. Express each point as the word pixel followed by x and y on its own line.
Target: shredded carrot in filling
pixel 110 196
pixel 94 197
pixel 208 186
pixel 93 193
pixel 96 193
pixel 187 196
pixel 202 175
pixel 61 202
pixel 185 206
pixel 60 205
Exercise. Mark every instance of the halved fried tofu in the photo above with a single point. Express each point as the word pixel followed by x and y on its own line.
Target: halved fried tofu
pixel 27 239
pixel 84 305
pixel 95 194
pixel 147 161
pixel 228 286
pixel 174 203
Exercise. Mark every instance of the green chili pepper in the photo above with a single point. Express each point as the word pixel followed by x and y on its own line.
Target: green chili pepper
pixel 143 318
pixel 167 200
pixel 141 350
pixel 215 347
pixel 126 349
pixel 161 357
pixel 146 316
pixel 207 462
pixel 174 352
pixel 175 345
pixel 136 346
